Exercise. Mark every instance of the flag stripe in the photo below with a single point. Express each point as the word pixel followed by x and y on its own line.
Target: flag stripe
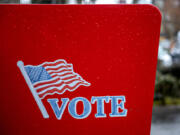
pixel 41 84
pixel 57 67
pixel 69 77
pixel 56 81
pixel 59 70
pixel 57 84
pixel 62 64
pixel 45 82
pixel 61 86
pixel 53 63
pixel 67 74
pixel 61 73
pixel 61 91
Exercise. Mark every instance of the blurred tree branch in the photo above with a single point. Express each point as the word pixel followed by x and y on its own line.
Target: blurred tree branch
pixel 171 17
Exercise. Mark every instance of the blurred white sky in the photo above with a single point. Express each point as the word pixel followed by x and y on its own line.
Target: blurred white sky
pixel 127 1
pixel 97 2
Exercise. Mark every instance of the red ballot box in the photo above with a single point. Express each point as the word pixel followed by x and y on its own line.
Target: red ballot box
pixel 77 69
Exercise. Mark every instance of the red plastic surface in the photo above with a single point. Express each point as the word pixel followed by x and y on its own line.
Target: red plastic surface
pixel 114 47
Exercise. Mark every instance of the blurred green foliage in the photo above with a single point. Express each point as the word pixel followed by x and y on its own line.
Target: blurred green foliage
pixel 167 89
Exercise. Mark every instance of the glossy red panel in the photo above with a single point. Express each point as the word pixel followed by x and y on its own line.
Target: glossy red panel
pixel 112 47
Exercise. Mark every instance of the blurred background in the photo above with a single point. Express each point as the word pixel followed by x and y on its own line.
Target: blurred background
pixel 166 110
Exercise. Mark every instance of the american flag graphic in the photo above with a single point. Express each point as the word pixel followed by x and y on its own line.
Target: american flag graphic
pixel 54 77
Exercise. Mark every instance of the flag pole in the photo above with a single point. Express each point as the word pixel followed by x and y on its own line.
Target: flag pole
pixel 20 64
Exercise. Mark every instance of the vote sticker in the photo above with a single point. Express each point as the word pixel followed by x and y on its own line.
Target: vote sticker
pixel 57 77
